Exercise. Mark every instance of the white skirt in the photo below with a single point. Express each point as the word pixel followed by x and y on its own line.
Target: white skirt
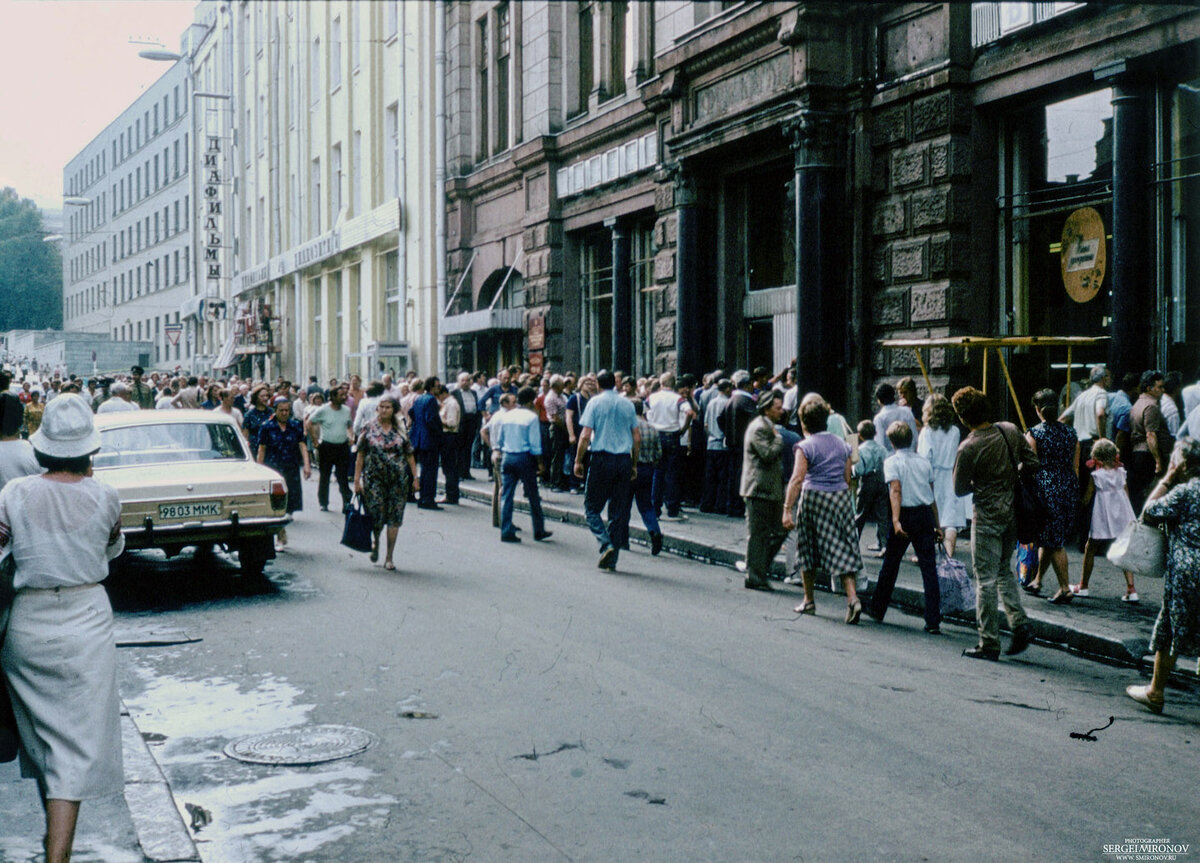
pixel 60 663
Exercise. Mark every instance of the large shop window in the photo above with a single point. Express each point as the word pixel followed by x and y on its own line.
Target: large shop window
pixel 1056 218
pixel 645 294
pixel 595 277
pixel 766 227
pixel 1178 181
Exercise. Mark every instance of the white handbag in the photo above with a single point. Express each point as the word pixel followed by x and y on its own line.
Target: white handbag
pixel 1141 549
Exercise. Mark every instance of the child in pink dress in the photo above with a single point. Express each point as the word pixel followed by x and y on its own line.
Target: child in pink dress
pixel 1111 512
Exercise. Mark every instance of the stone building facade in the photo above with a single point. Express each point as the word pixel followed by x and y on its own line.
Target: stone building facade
pixel 741 184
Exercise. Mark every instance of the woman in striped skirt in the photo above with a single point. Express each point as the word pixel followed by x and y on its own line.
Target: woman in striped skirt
pixel 820 480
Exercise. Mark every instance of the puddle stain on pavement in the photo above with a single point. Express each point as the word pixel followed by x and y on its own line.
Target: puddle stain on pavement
pixel 252 812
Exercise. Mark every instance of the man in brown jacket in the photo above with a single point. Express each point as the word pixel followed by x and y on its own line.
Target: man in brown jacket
pixel 762 489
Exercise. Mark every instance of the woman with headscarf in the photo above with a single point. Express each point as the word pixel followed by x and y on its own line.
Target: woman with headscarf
pixel 59 658
pixel 385 470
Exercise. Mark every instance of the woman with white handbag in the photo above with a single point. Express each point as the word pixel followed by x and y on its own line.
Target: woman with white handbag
pixel 1175 502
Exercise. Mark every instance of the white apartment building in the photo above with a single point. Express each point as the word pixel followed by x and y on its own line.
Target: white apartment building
pixel 128 258
pixel 329 186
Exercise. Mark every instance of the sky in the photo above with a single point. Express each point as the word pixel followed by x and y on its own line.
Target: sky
pixel 67 69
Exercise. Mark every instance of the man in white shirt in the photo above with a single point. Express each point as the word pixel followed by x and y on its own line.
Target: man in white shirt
pixel 120 399
pixel 1191 397
pixel 670 414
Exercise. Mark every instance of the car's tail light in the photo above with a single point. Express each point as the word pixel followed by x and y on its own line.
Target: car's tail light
pixel 278 494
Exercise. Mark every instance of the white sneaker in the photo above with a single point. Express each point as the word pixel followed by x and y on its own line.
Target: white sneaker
pixel 1131 597
pixel 1080 591
pixel 739 565
pixel 793 579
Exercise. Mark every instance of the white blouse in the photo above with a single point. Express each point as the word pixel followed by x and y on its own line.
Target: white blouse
pixel 61 534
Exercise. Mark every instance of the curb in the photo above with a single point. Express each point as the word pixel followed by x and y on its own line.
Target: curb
pixel 157 822
pixel 1129 654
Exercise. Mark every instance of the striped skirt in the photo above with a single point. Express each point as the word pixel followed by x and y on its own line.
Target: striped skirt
pixel 60 663
pixel 828 541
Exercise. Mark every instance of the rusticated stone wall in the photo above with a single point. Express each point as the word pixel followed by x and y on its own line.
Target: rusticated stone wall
pixel 920 222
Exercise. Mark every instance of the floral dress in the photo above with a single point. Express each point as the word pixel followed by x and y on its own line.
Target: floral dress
pixel 386 478
pixel 1177 629
pixel 1056 481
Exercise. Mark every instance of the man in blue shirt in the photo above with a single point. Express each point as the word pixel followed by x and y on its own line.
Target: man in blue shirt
pixel 610 427
pixel 426 437
pixel 517 436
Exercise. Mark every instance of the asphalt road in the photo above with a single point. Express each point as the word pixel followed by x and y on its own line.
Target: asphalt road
pixel 662 713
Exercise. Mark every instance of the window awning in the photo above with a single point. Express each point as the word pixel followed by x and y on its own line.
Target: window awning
pixel 483 320
pixel 228 351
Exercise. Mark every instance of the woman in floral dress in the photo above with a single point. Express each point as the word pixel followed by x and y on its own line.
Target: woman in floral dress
pixel 384 473
pixel 1175 502
pixel 1057 449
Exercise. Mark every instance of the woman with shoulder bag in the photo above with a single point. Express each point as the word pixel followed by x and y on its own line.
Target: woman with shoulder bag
pixel 62 527
pixel 1175 502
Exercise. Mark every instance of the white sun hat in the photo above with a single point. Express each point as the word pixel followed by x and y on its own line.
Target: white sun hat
pixel 68 428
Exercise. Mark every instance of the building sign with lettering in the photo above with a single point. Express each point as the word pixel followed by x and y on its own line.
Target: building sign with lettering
pixel 1083 255
pixel 213 215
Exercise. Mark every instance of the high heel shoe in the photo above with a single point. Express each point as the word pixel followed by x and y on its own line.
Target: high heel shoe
pixel 853 611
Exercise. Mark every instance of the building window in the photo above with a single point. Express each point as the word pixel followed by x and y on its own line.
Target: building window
pixel 339 348
pixel 391 275
pixel 1181 213
pixel 595 281
pixel 392 161
pixel 356 204
pixel 391 18
pixel 766 228
pixel 315 198
pixel 503 59
pixel 619 61
pixel 335 55
pixel 314 71
pixel 484 87
pixel 355 36
pixel 645 294
pixel 1057 162
pixel 586 80
pixel 335 180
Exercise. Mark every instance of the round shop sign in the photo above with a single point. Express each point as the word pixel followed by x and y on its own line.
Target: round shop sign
pixel 1083 254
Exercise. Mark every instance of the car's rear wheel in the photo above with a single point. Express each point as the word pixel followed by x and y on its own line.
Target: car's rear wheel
pixel 253 555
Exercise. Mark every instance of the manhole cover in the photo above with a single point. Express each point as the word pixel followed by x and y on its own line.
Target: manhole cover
pixel 300 746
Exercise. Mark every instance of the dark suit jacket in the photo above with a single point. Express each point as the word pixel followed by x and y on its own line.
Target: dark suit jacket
pixel 737 416
pixel 426 432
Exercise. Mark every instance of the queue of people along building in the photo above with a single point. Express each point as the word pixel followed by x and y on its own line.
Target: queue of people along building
pixel 652 186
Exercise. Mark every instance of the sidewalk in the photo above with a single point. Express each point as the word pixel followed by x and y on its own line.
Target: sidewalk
pixel 1100 626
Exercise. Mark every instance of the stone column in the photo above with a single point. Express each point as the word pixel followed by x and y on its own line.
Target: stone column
pixel 820 307
pixel 1133 306
pixel 622 297
pixel 688 349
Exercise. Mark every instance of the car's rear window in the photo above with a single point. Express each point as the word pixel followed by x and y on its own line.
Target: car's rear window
pixel 169 442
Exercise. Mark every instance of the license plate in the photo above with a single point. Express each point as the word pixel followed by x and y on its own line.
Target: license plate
pixel 189 510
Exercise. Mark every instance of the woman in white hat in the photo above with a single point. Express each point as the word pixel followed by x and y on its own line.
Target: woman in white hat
pixel 59 660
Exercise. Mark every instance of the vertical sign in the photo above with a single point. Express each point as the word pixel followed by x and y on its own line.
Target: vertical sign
pixel 213 217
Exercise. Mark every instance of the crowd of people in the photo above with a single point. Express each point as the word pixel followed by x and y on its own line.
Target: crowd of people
pixel 744 445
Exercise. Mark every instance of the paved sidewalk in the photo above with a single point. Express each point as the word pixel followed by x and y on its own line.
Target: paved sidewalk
pixel 1101 626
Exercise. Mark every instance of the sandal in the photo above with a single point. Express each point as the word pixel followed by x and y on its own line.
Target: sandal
pixel 1141 694
pixel 374 554
pixel 389 565
pixel 1032 589
pixel 1063 597
pixel 806 607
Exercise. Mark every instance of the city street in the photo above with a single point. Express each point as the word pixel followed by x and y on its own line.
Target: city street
pixel 557 712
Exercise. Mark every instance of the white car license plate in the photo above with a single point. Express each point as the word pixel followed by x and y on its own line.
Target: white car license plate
pixel 189 510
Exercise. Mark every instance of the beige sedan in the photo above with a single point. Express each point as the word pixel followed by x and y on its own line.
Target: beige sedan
pixel 186 478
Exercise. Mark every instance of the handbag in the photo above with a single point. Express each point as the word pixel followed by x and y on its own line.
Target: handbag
pixel 1140 548
pixel 957 591
pixel 1028 506
pixel 358 532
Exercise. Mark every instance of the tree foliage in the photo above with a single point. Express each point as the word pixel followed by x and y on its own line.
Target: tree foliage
pixel 30 268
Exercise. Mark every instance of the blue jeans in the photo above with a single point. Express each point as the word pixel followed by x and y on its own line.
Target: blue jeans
pixel 519 466
pixel 608 483
pixel 642 493
pixel 666 474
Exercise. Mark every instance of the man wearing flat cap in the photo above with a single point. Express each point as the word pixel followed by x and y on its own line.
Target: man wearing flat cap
pixel 762 489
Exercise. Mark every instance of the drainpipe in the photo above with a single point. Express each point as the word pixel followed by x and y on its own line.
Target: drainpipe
pixel 439 174
pixel 401 184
